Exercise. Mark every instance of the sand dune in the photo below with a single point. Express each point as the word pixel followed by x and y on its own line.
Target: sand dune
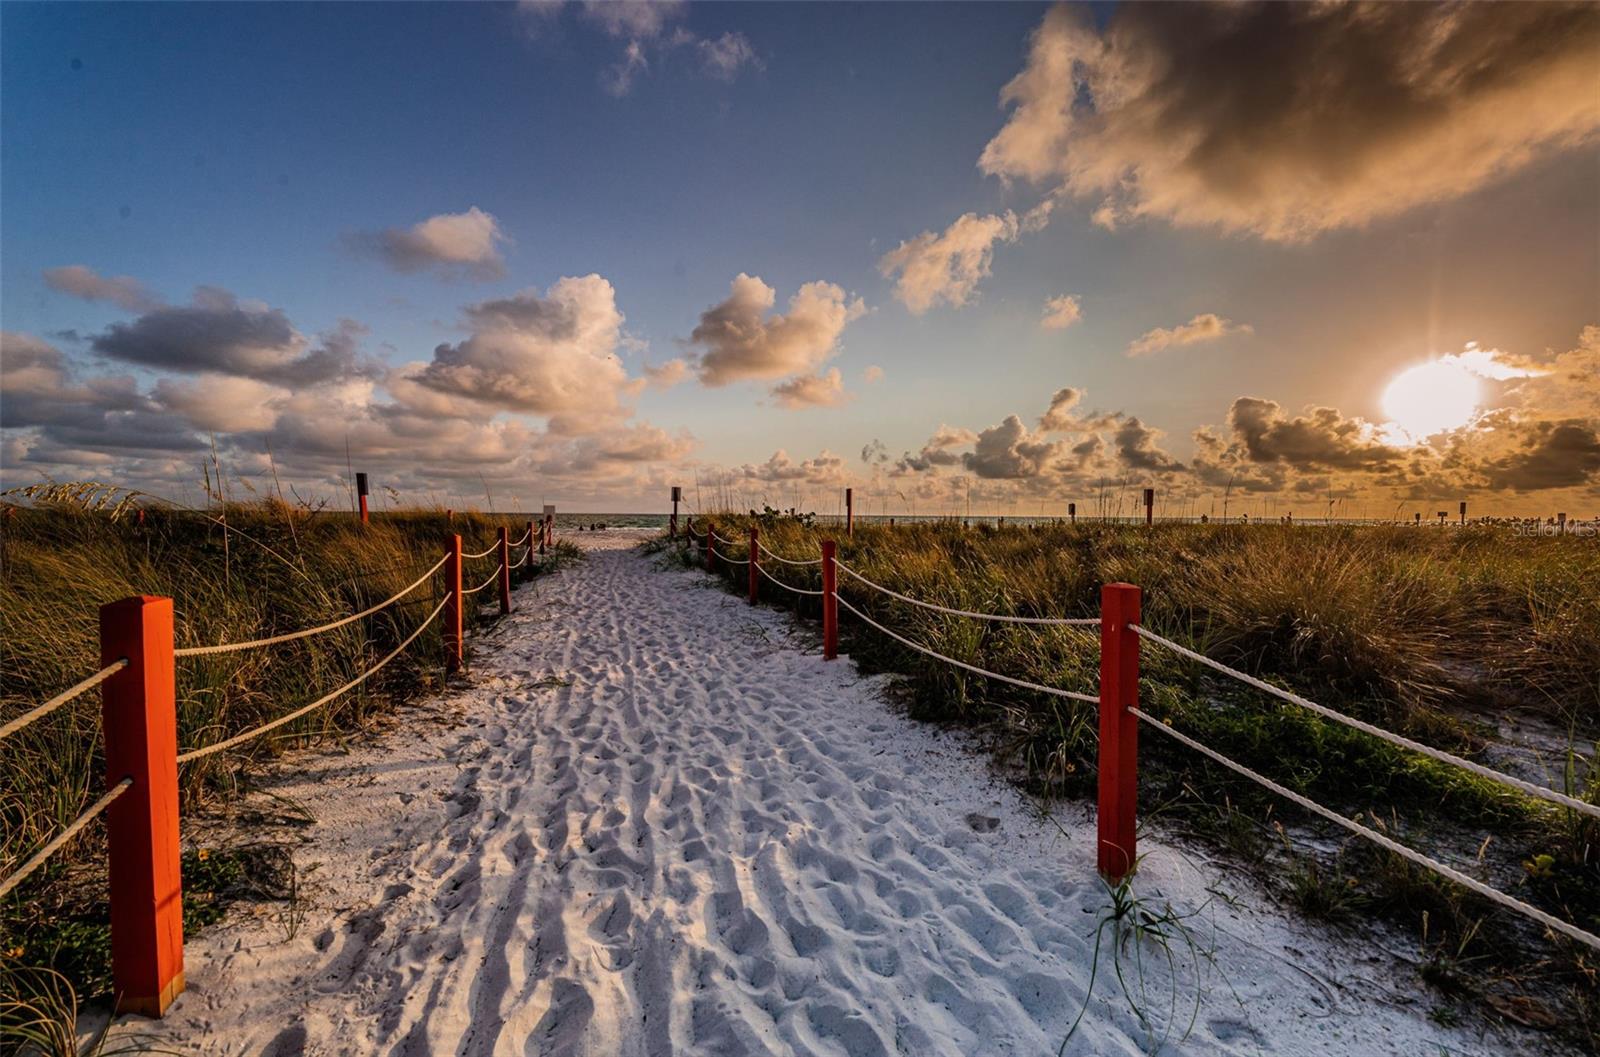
pixel 659 823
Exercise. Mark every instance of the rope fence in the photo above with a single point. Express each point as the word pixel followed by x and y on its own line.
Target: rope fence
pixel 56 843
pixel 232 647
pixel 250 735
pixel 786 561
pixel 492 578
pixel 1118 699
pixel 1075 622
pixel 1528 788
pixel 139 739
pixel 62 698
pixel 1494 895
pixel 1025 684
pixel 787 587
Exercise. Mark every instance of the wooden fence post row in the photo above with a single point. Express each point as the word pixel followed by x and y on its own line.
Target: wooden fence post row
pixel 1119 730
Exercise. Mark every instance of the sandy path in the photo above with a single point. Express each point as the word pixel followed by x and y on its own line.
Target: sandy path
pixel 662 824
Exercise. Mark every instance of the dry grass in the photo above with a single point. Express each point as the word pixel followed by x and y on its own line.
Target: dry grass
pixel 240 572
pixel 1420 630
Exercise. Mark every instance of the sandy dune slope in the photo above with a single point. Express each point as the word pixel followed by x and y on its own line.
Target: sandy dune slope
pixel 658 823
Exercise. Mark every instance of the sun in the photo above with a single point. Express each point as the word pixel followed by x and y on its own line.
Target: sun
pixel 1432 397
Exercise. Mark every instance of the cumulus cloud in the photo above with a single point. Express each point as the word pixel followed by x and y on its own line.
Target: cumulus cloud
pixel 1547 455
pixel 667 374
pixel 826 468
pixel 634 445
pixel 1008 451
pixel 1138 448
pixel 218 332
pixel 121 290
pixel 812 390
pixel 221 403
pixel 78 420
pixel 945 268
pixel 1061 312
pixel 450 244
pixel 1207 326
pixel 938 450
pixel 1319 438
pixel 1286 120
pixel 741 341
pixel 1058 417
pixel 872 373
pixel 553 354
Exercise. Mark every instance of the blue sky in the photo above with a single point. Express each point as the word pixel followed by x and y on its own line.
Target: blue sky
pixel 260 148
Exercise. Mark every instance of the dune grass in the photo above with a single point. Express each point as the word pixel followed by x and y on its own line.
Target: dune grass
pixel 235 572
pixel 1424 631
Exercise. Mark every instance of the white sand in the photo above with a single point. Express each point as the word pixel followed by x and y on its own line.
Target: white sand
pixel 709 841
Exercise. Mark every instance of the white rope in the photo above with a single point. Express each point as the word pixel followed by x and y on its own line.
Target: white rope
pixel 1378 732
pixel 1492 894
pixel 733 561
pixel 492 578
pixel 1052 621
pixel 520 562
pixel 195 754
pixel 480 554
pixel 526 536
pixel 63 697
pixel 37 858
pixel 797 590
pixel 719 539
pixel 781 558
pixel 231 647
pixel 971 668
pixel 690 530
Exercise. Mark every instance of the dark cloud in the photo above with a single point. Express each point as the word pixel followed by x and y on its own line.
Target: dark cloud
pixel 219 333
pixel 938 451
pixel 1283 119
pixel 1548 455
pixel 1009 452
pixel 1138 450
pixel 1320 438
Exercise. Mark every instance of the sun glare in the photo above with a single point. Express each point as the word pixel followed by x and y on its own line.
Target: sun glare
pixel 1431 397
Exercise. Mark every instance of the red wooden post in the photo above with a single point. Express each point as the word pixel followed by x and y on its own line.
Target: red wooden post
pixel 850 512
pixel 453 608
pixel 361 493
pixel 549 532
pixel 1149 506
pixel 139 714
pixel 830 603
pixel 754 558
pixel 1119 729
pixel 505 571
pixel 449 514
